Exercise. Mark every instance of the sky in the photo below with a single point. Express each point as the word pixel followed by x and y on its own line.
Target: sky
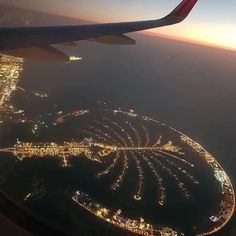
pixel 211 22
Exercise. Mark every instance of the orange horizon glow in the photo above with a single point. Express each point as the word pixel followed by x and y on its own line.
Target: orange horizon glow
pixel 208 33
pixel 212 35
pixel 189 40
pixel 218 36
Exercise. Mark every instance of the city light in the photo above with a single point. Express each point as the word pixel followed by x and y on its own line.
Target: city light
pixel 117 141
pixel 10 70
pixel 137 226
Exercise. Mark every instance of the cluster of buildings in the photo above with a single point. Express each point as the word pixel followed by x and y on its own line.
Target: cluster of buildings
pixel 116 218
pixel 61 119
pixel 85 148
pixel 10 70
pixel 165 157
pixel 227 203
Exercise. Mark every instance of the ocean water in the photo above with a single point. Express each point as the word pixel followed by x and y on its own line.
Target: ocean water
pixel 188 87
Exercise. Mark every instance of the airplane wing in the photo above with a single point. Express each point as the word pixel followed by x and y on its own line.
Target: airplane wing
pixel 13 40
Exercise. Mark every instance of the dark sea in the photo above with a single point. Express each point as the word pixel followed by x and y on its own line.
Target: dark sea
pixel 189 87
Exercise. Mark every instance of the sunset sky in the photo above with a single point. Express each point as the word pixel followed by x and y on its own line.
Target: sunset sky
pixel 211 22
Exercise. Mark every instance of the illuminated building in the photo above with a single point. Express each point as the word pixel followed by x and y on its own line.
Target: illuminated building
pixel 10 70
pixel 137 226
pixel 118 141
pixel 227 204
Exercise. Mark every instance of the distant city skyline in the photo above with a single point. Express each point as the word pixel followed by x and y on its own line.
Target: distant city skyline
pixel 210 22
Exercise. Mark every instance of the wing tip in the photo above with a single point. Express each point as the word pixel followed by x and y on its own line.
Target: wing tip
pixel 181 11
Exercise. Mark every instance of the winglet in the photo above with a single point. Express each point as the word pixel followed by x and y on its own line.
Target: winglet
pixel 181 11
